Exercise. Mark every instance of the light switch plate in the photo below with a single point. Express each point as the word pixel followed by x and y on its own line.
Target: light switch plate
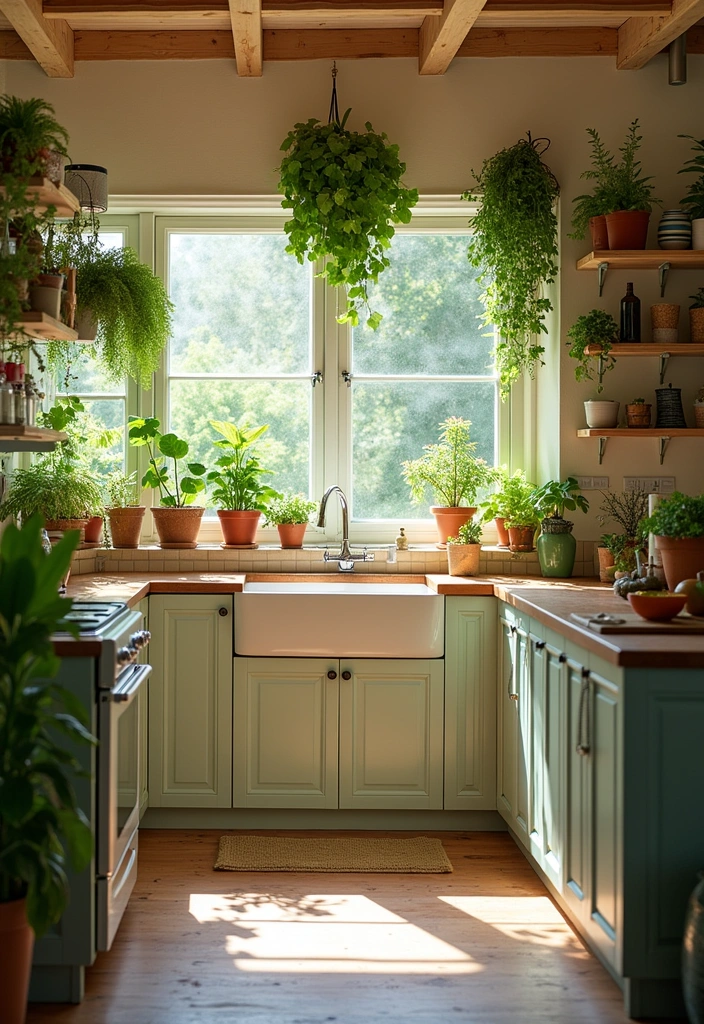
pixel 649 484
pixel 593 483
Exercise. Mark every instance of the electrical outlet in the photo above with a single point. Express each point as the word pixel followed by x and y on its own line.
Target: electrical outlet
pixel 593 483
pixel 649 484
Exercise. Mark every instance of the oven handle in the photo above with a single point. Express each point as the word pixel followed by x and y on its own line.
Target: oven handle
pixel 129 682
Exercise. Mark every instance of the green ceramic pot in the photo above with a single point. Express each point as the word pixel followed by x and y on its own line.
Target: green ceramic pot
pixel 556 548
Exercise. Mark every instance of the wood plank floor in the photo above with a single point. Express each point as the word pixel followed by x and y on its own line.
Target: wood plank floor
pixel 484 945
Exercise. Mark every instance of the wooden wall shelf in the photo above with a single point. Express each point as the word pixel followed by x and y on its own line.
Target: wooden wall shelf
pixel 664 352
pixel 17 438
pixel 643 259
pixel 664 435
pixel 45 328
pixel 46 194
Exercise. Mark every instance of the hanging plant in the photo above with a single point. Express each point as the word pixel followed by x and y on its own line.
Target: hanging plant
pixel 514 245
pixel 345 192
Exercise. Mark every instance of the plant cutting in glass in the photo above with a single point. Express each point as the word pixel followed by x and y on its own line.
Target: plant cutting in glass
pixel 289 509
pixel 345 192
pixel 176 493
pixel 238 479
pixel 514 245
pixel 449 468
pixel 694 199
pixel 596 330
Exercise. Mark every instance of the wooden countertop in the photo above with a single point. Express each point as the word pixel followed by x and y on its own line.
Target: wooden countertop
pixel 549 601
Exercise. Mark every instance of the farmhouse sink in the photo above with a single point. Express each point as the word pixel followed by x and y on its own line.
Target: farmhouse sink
pixel 339 620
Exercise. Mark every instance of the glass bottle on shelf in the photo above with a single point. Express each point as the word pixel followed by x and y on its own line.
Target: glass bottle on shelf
pixel 20 402
pixel 630 316
pixel 7 401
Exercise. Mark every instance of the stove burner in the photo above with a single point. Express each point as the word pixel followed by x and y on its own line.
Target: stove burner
pixel 94 616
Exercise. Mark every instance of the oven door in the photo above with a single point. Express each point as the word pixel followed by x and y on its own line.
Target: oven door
pixel 119 754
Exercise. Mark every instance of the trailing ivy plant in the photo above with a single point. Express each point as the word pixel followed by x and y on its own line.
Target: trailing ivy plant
pixel 514 245
pixel 598 330
pixel 345 192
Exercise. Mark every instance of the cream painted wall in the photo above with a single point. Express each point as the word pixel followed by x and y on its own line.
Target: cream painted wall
pixel 195 128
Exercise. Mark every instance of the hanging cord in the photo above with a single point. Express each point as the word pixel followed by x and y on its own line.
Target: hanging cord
pixel 542 145
pixel 334 114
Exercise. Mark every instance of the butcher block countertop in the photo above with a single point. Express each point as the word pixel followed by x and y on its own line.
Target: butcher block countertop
pixel 548 601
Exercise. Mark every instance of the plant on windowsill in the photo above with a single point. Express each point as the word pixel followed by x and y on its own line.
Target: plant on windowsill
pixel 498 506
pixel 593 336
pixel 463 550
pixel 452 472
pixel 556 545
pixel 176 519
pixel 41 826
pixel 515 501
pixel 239 492
pixel 694 199
pixel 678 525
pixel 514 245
pixel 290 514
pixel 123 509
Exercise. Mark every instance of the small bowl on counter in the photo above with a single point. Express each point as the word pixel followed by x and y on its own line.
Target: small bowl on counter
pixel 657 605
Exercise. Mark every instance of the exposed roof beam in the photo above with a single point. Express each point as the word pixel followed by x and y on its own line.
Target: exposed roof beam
pixel 51 43
pixel 539 42
pixel 200 11
pixel 441 38
pixel 246 17
pixel 639 39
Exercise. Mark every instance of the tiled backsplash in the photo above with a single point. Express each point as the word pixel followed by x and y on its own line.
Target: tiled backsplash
pixel 212 558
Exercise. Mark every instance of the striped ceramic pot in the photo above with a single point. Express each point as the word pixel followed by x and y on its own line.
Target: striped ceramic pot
pixel 675 230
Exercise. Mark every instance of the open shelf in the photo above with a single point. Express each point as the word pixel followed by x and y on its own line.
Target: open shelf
pixel 46 194
pixel 643 348
pixel 663 434
pixel 45 328
pixel 643 259
pixel 17 438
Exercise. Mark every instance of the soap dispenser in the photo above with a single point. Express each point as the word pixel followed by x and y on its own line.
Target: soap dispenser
pixel 402 540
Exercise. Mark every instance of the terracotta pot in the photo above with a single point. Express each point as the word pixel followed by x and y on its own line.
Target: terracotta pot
pixel 58 526
pixel 17 944
pixel 51 280
pixel 682 558
pixel 291 534
pixel 606 565
pixel 696 325
pixel 627 229
pixel 239 528
pixel 638 415
pixel 126 525
pixel 521 538
pixel 501 531
pixel 463 559
pixel 449 520
pixel 178 527
pixel 94 530
pixel 600 236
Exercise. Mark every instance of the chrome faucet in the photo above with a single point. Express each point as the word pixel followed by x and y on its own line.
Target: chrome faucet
pixel 345 558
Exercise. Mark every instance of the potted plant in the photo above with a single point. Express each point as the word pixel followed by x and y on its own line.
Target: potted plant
pixel 454 475
pixel 699 409
pixel 638 413
pixel 694 199
pixel 499 505
pixel 593 336
pixel 696 317
pixel 463 550
pixel 678 525
pixel 556 545
pixel 123 510
pixel 57 488
pixel 290 515
pixel 608 550
pixel 176 519
pixel 30 132
pixel 521 516
pixel 239 491
pixel 628 510
pixel 590 210
pixel 514 243
pixel 345 193
pixel 41 827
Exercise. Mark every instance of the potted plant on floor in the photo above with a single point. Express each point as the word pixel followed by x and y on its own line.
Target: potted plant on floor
pixel 678 525
pixel 177 519
pixel 123 510
pixel 638 413
pixel 694 200
pixel 58 489
pixel 41 827
pixel 290 514
pixel 452 472
pixel 514 245
pixel 464 549
pixel 499 505
pixel 556 545
pixel 239 490
pixel 593 336
pixel 696 317
pixel 628 510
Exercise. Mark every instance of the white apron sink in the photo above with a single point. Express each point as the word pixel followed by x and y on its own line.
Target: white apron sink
pixel 339 620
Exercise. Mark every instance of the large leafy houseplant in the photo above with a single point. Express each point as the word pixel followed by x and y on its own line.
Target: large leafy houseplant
pixel 41 826
pixel 678 525
pixel 55 487
pixel 598 331
pixel 239 488
pixel 345 192
pixel 514 245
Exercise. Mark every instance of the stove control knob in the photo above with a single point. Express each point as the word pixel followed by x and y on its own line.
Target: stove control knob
pixel 126 655
pixel 140 639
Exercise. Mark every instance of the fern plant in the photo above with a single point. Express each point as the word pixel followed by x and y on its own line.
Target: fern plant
pixel 694 199
pixel 514 245
pixel 55 487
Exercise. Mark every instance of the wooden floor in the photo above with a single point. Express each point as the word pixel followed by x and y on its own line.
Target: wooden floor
pixel 483 945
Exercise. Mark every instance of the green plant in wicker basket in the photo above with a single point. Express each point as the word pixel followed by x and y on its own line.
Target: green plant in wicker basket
pixel 514 245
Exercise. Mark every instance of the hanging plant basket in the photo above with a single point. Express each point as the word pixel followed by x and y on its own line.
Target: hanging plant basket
pixel 345 194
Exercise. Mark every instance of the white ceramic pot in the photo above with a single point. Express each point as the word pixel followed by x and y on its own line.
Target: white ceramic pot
pixel 698 233
pixel 601 414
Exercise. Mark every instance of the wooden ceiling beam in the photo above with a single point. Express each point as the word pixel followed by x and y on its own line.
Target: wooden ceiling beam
pixel 640 39
pixel 246 17
pixel 441 38
pixel 539 42
pixel 51 43
pixel 201 10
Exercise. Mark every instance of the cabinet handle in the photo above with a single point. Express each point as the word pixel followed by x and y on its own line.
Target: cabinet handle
pixel 583 738
pixel 332 674
pixel 346 674
pixel 539 645
pixel 222 611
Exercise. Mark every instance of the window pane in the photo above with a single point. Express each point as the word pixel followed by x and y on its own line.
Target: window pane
pixel 284 405
pixel 430 301
pixel 86 377
pixel 101 456
pixel 242 305
pixel 392 421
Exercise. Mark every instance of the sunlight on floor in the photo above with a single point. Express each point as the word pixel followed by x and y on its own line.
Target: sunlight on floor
pixel 528 918
pixel 349 933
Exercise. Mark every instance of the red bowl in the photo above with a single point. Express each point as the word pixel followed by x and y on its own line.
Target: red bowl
pixel 658 606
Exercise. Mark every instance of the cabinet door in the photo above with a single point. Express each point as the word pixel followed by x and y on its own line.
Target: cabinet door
pixel 144 656
pixel 514 727
pixel 286 720
pixel 391 733
pixel 190 705
pixel 547 733
pixel 577 833
pixel 470 703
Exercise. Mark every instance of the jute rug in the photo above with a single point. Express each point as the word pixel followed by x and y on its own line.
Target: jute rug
pixel 420 855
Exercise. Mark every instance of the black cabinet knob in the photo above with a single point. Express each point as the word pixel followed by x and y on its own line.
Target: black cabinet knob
pixel 332 674
pixel 222 611
pixel 346 675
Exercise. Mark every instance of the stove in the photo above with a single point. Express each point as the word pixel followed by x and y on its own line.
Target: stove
pixel 94 617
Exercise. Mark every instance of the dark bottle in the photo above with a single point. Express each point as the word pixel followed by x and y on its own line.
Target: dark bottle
pixel 630 316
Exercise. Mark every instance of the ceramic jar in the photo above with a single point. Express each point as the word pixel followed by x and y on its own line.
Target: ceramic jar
pixel 664 320
pixel 675 230
pixel 601 414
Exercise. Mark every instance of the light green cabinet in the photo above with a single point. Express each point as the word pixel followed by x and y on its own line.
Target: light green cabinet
pixel 190 700
pixel 143 697
pixel 470 703
pixel 513 729
pixel 547 750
